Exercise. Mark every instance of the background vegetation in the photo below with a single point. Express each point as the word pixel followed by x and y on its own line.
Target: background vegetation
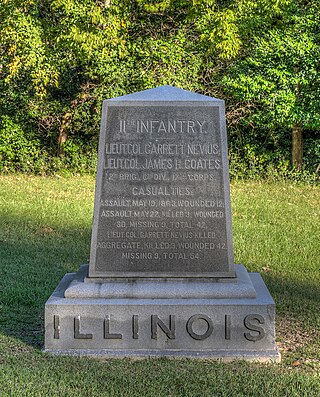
pixel 60 58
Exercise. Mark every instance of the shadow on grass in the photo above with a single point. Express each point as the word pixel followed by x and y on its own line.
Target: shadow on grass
pixel 295 297
pixel 31 266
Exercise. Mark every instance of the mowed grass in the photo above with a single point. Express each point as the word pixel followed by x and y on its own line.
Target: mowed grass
pixel 45 230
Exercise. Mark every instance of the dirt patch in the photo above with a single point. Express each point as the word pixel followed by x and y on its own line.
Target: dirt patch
pixel 46 230
pixel 292 335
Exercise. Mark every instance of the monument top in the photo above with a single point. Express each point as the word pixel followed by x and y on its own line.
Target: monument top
pixel 162 204
pixel 165 93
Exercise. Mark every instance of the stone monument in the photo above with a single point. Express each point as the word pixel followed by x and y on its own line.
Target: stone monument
pixel 161 279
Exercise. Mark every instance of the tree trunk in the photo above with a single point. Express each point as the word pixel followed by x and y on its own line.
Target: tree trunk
pixel 63 135
pixel 297 147
pixel 62 138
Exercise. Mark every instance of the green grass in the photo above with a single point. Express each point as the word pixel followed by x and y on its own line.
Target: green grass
pixel 45 228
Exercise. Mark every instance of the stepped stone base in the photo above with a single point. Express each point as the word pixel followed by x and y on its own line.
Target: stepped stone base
pixel 156 288
pixel 204 327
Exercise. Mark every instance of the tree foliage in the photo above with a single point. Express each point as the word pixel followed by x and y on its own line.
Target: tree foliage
pixel 60 58
pixel 279 78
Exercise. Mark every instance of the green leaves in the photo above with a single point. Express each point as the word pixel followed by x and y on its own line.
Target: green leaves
pixel 281 74
pixel 63 57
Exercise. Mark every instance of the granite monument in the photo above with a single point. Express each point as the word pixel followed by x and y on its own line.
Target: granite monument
pixel 161 279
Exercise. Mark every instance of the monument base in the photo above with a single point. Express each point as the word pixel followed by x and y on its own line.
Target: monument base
pixel 218 328
pixel 158 288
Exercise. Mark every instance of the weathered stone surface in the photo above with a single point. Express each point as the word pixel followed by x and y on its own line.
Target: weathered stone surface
pixel 239 287
pixel 161 279
pixel 162 205
pixel 215 328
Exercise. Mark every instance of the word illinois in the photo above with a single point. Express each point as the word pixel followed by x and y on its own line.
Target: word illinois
pixel 111 329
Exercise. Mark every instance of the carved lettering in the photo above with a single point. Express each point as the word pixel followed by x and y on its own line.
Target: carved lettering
pixel 227 327
pixel 77 333
pixel 157 322
pixel 56 327
pixel 167 126
pixel 249 323
pixel 198 317
pixel 162 198
pixel 135 326
pixel 106 330
pixel 198 326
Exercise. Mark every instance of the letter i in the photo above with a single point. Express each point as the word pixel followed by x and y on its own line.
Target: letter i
pixel 56 327
pixel 227 328
pixel 122 126
pixel 135 327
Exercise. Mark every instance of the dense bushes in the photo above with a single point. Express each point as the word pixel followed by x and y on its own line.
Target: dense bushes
pixel 60 58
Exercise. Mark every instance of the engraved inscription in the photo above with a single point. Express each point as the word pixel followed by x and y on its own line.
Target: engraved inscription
pixel 170 330
pixel 106 332
pixel 164 126
pixel 56 327
pixel 135 326
pixel 198 318
pixel 162 207
pixel 77 333
pixel 198 326
pixel 227 329
pixel 250 323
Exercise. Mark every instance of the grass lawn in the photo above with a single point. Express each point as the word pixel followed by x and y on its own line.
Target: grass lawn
pixel 45 230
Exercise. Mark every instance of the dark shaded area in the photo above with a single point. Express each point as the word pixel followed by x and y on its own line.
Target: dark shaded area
pixel 31 268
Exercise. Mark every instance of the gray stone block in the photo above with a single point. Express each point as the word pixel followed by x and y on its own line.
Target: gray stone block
pixel 224 329
pixel 162 203
pixel 238 287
